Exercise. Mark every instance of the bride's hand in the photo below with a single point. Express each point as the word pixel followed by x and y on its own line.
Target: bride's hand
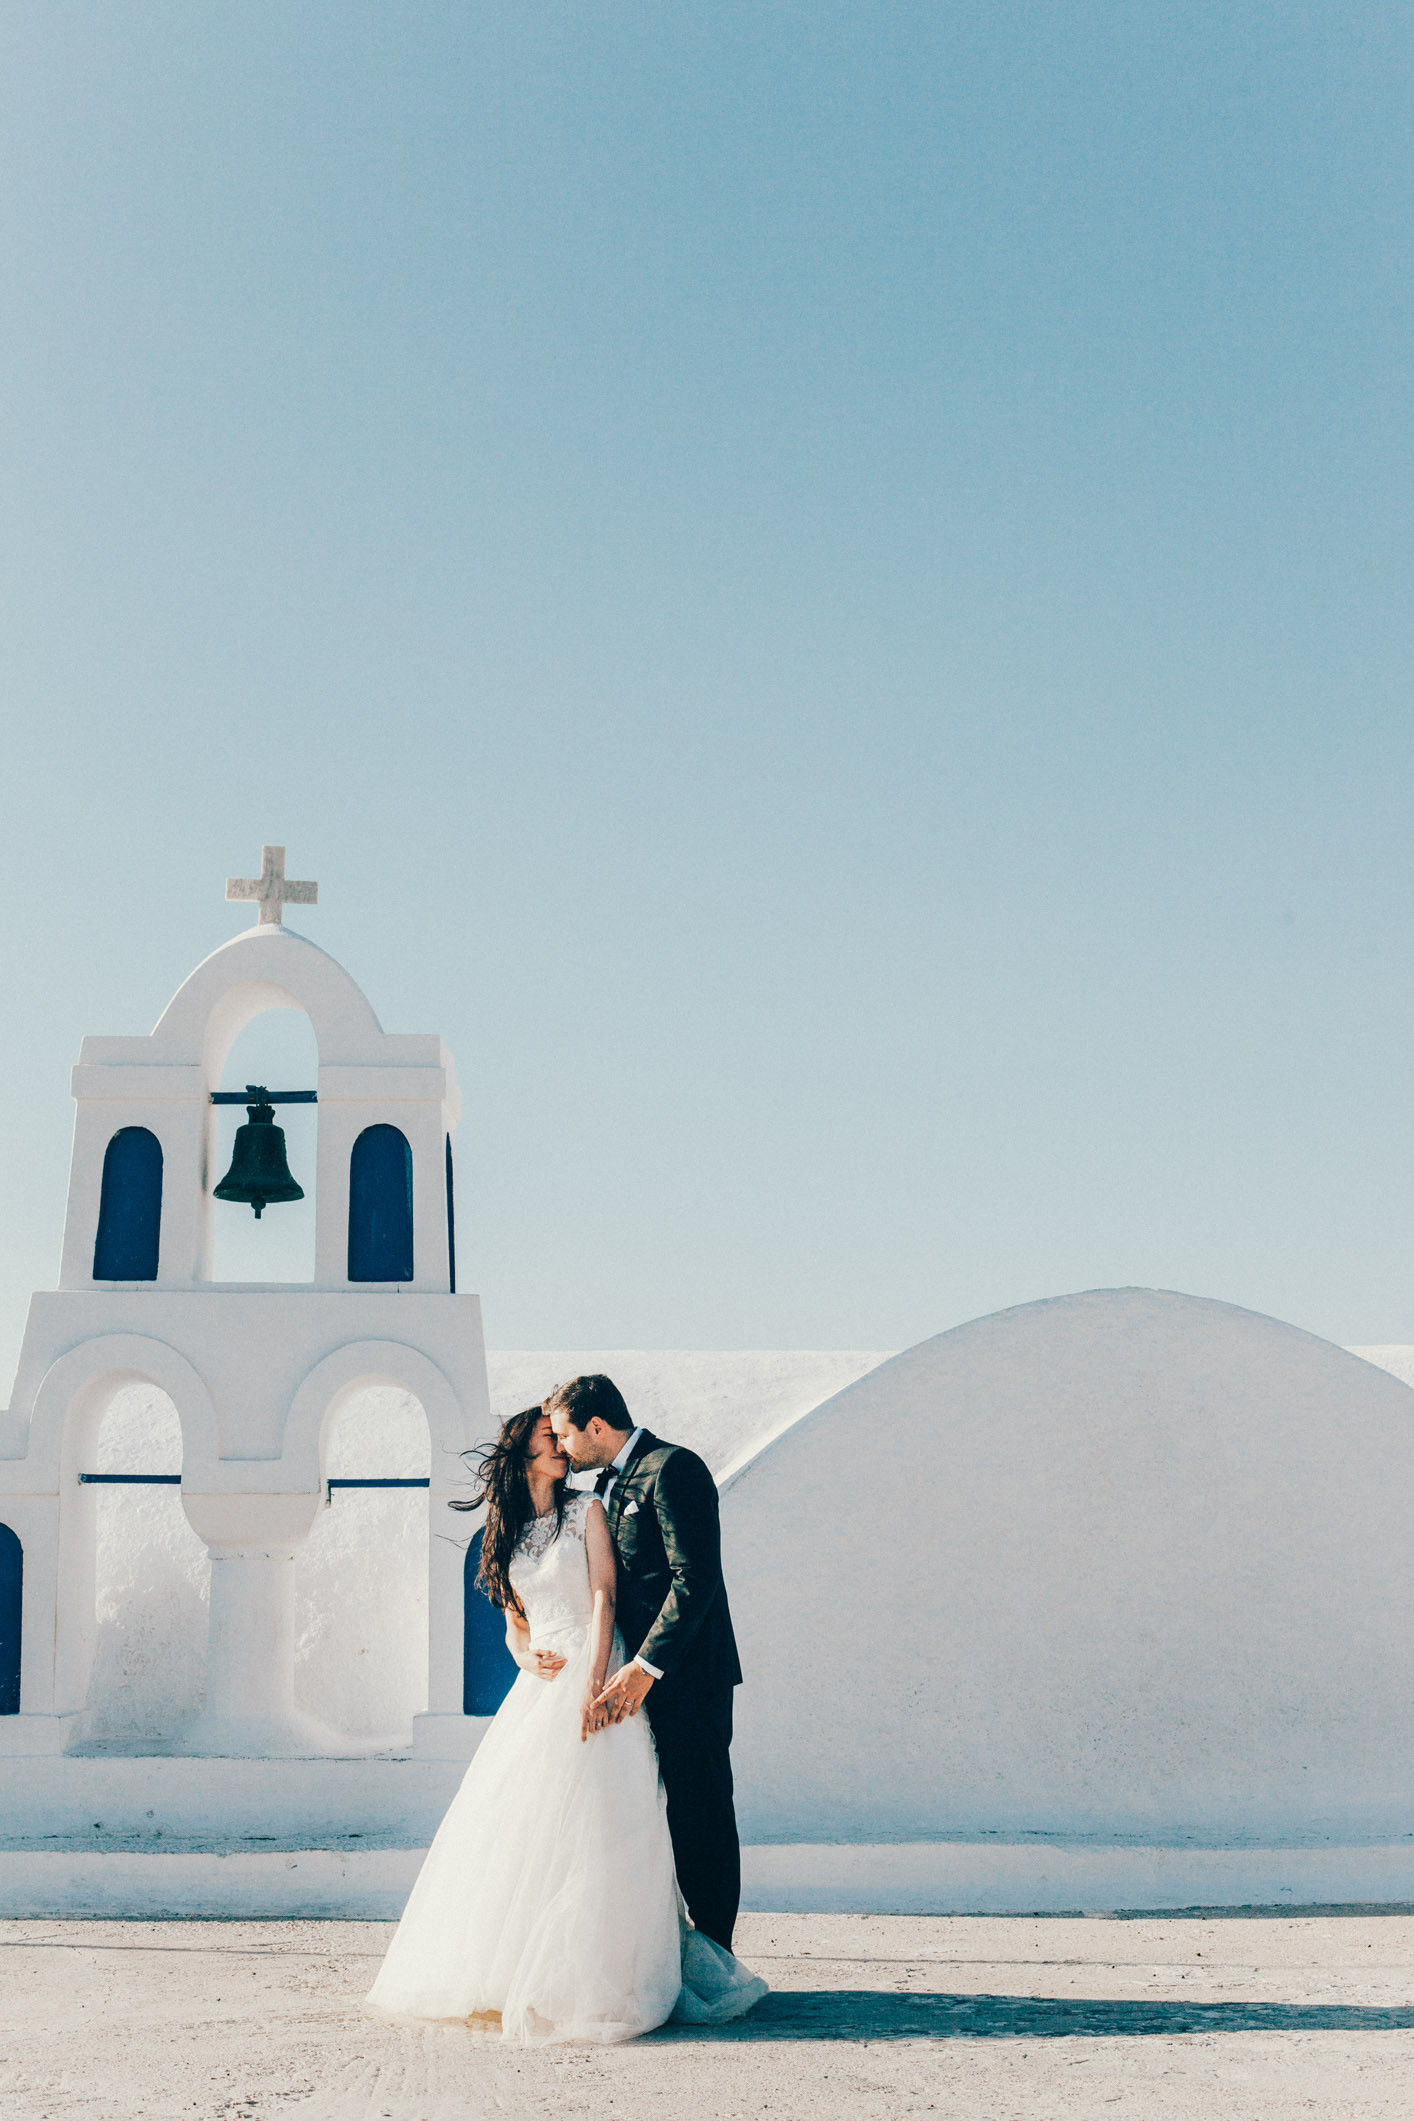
pixel 592 1717
pixel 547 1665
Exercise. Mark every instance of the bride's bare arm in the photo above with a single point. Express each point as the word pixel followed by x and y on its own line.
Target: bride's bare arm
pixel 603 1582
pixel 543 1663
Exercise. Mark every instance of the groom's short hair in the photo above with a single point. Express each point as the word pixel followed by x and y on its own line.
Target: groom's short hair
pixel 584 1397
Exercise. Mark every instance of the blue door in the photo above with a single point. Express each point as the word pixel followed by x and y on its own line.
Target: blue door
pixel 129 1208
pixel 488 1668
pixel 380 1206
pixel 12 1574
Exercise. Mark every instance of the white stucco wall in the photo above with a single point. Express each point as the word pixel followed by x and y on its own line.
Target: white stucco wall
pixel 1120 1563
pixel 1396 1357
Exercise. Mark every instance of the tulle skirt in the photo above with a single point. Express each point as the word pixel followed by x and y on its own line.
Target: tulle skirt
pixel 547 1907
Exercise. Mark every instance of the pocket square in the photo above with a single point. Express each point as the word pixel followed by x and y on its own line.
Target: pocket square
pixel 630 1509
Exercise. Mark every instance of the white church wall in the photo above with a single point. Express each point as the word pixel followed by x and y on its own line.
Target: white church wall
pixel 1124 1564
pixel 1394 1356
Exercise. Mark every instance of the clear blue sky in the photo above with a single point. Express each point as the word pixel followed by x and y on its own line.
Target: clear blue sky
pixel 824 588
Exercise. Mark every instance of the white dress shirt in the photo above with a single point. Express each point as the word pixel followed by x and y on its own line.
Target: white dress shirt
pixel 618 1465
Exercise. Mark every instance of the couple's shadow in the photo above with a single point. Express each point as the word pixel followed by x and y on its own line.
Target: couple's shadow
pixel 873 2014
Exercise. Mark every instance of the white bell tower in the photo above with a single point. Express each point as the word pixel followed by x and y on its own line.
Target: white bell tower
pixel 257 1372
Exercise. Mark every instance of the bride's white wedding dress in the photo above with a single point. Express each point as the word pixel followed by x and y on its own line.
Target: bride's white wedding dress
pixel 548 1900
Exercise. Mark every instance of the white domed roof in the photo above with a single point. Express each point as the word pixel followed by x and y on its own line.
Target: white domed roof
pixel 1122 1561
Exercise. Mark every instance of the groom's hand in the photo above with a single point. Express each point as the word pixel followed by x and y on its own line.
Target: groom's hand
pixel 626 1693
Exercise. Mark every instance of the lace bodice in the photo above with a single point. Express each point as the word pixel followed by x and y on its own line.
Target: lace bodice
pixel 550 1576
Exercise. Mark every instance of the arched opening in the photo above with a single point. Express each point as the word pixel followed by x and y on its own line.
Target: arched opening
pixel 380 1206
pixel 152 1582
pixel 277 1049
pixel 12 1585
pixel 488 1668
pixel 361 1577
pixel 130 1208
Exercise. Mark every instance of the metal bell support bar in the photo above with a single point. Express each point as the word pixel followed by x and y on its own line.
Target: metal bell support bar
pixel 174 1480
pixel 271 1097
pixel 260 1172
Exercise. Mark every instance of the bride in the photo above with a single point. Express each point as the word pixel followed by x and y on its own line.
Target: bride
pixel 547 1907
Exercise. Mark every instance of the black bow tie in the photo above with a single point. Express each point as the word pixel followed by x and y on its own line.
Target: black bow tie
pixel 606 1474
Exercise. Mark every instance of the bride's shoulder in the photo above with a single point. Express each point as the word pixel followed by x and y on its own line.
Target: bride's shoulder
pixel 579 1508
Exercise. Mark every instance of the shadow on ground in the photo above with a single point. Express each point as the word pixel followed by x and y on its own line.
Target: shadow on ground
pixel 866 2014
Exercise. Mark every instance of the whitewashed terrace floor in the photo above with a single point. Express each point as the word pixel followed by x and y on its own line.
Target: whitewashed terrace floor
pixel 871 2017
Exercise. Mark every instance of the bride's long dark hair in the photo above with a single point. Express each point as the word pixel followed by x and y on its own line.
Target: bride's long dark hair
pixel 505 1490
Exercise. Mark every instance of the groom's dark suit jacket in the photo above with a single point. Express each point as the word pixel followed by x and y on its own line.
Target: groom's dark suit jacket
pixel 672 1603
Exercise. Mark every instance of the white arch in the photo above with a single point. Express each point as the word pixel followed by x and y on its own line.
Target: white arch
pixel 262 969
pixel 314 1410
pixel 76 1388
pixel 329 1386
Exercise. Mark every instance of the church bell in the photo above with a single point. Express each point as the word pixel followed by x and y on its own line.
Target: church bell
pixel 259 1172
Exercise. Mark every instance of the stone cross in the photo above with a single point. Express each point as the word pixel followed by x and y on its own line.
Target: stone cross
pixel 272 889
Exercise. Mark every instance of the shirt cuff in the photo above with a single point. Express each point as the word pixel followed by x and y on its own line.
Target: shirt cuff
pixel 650 1669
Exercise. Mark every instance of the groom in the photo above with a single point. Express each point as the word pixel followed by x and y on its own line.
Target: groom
pixel 661 1503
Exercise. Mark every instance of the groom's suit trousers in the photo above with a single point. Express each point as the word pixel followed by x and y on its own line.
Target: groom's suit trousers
pixel 693 1734
pixel 672 1605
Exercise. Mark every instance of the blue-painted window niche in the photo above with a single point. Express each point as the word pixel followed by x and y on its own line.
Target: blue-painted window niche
pixel 451 1224
pixel 380 1206
pixel 12 1582
pixel 129 1208
pixel 488 1668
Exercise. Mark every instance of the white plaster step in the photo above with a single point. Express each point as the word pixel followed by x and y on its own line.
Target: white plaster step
pixel 953 1877
pixel 126 1800
pixel 210 1884
pixel 1072 1875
